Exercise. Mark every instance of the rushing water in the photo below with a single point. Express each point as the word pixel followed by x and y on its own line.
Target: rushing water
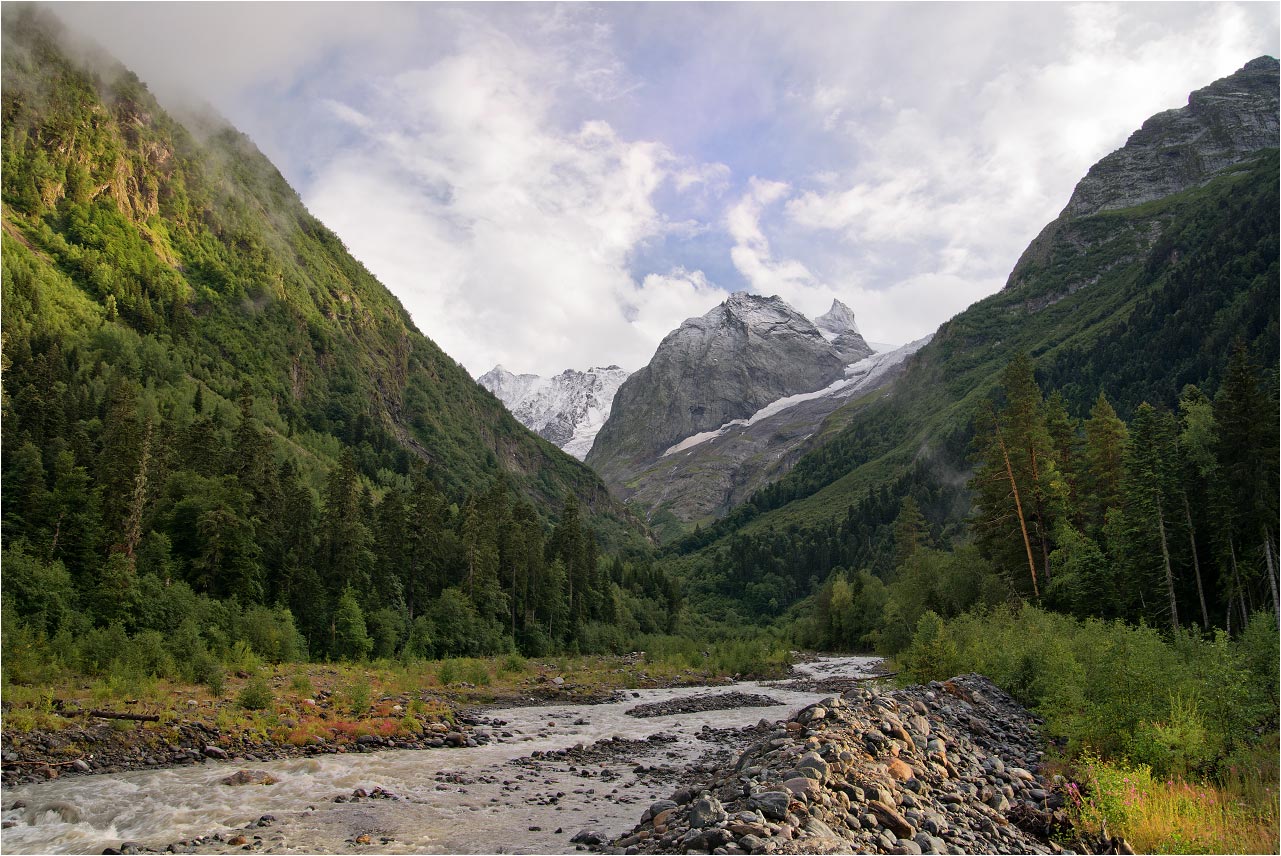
pixel 486 799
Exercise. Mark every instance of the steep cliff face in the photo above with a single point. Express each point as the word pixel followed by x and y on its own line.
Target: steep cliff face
pixel 567 410
pixel 1223 125
pixel 742 355
pixel 838 327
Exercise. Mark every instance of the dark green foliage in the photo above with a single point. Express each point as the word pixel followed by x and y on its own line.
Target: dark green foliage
pixel 1180 704
pixel 255 695
pixel 218 427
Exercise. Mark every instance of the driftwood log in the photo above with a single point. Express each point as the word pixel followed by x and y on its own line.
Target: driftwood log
pixel 136 717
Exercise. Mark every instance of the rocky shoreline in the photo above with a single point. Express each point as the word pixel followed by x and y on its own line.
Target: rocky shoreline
pixel 103 748
pixel 86 745
pixel 698 703
pixel 943 768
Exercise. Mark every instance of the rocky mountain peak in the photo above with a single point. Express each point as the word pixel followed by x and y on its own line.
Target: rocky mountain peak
pixel 1227 123
pixel 745 353
pixel 836 321
pixel 837 326
pixel 1222 125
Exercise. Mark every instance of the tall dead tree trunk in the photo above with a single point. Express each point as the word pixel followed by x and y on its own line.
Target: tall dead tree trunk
pixel 1169 572
pixel 1018 507
pixel 1196 564
pixel 1272 579
pixel 133 525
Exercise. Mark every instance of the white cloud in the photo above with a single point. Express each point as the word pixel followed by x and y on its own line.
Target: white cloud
pixel 507 237
pixel 545 184
pixel 965 185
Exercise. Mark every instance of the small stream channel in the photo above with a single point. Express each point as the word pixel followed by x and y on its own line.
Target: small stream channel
pixel 494 798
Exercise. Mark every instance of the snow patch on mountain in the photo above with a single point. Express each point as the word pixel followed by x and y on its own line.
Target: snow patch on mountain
pixel 859 376
pixel 567 410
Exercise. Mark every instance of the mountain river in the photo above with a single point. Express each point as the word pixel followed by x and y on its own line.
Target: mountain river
pixel 495 798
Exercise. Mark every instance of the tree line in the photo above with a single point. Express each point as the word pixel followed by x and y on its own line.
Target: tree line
pixel 1168 520
pixel 135 507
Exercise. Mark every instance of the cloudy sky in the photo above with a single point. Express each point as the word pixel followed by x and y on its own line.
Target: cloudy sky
pixel 554 186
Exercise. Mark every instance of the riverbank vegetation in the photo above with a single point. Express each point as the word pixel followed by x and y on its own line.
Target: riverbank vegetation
pixel 1119 580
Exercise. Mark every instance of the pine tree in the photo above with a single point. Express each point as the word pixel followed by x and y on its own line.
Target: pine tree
pixel 1018 488
pixel 1103 466
pixel 910 531
pixel 350 635
pixel 1147 488
pixel 1195 446
pixel 1064 443
pixel 1247 455
pixel 344 556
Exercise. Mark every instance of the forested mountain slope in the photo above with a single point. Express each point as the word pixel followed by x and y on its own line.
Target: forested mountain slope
pixel 1137 295
pixel 201 384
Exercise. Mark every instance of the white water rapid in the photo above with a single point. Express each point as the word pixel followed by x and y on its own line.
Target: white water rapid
pixel 487 799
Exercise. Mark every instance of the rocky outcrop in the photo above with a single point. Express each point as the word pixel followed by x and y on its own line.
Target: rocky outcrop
pixel 706 476
pixel 567 410
pixel 1223 125
pixel 742 355
pixel 944 768
pixel 838 327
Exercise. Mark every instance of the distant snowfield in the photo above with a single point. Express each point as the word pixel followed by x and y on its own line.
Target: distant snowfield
pixel 573 401
pixel 858 376
pixel 585 432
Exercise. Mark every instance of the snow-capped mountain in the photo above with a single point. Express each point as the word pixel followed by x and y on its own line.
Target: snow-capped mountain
pixel 838 327
pixel 727 364
pixel 568 409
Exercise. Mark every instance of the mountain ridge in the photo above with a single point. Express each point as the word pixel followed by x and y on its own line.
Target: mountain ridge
pixel 1138 301
pixel 220 251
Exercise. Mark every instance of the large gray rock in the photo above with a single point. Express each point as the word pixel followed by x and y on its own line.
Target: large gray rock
pixel 705 812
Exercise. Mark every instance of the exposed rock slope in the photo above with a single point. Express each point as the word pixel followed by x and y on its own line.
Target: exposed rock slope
pixel 705 476
pixel 1223 125
pixel 838 327
pixel 567 410
pixel 727 365
pixel 944 768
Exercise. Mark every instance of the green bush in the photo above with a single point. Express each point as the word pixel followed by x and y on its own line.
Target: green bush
pixel 512 664
pixel 357 695
pixel 207 670
pixel 255 695
pixel 1179 706
pixel 476 672
pixel 447 673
